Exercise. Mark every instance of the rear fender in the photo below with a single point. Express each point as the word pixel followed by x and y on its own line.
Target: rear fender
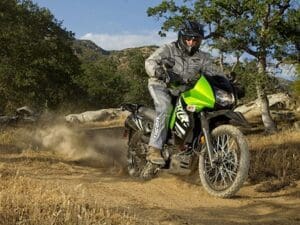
pixel 134 122
pixel 140 118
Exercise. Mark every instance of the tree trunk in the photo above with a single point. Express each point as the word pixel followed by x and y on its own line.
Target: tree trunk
pixel 267 120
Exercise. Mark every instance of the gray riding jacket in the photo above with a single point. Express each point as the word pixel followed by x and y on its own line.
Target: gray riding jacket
pixel 188 67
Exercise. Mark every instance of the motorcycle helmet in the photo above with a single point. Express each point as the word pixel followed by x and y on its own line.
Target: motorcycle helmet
pixel 190 30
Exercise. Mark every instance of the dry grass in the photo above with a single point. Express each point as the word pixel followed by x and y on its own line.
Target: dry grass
pixel 26 202
pixel 275 156
pixel 27 198
pixel 7 137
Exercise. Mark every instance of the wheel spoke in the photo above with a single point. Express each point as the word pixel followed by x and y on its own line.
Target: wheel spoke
pixel 207 165
pixel 223 176
pixel 224 142
pixel 231 174
pixel 229 157
pixel 216 176
pixel 224 172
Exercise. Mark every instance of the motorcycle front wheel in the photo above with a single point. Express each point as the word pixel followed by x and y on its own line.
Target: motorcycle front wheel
pixel 231 161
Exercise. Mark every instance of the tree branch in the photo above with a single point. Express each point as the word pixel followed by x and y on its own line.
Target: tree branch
pixel 236 63
pixel 251 52
pixel 222 62
pixel 266 20
pixel 281 11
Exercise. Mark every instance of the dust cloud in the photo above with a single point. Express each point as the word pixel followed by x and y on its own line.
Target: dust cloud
pixel 101 148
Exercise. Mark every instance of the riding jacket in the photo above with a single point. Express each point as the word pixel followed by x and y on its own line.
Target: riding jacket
pixel 187 67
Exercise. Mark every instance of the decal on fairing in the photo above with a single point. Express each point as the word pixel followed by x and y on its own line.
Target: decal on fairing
pixel 179 131
pixel 182 120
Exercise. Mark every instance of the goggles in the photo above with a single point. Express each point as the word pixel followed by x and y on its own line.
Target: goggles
pixel 192 38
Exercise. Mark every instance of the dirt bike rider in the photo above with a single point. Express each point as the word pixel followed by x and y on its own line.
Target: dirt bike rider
pixel 184 61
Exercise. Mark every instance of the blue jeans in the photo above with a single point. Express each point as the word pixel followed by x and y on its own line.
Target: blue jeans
pixel 163 107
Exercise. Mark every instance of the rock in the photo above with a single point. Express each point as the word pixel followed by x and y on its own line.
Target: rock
pixel 277 101
pixel 95 116
pixel 25 110
pixel 7 119
pixel 23 114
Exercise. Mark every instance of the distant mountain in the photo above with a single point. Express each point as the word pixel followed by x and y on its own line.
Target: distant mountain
pixel 88 51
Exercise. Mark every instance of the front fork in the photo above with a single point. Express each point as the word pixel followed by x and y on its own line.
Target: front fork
pixel 207 136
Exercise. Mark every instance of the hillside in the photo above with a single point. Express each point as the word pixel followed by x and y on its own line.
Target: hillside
pixel 88 51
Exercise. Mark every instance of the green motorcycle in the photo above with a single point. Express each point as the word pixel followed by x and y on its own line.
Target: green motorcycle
pixel 203 134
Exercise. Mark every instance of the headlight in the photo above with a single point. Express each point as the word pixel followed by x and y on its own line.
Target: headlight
pixel 224 98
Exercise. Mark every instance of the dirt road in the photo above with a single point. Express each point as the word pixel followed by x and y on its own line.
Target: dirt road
pixel 98 177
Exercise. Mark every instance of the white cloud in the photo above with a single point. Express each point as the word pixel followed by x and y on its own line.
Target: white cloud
pixel 128 40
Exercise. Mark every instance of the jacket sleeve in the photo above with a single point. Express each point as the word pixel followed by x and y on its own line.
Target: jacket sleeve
pixel 208 67
pixel 153 62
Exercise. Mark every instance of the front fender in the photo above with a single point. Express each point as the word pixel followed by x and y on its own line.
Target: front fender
pixel 235 118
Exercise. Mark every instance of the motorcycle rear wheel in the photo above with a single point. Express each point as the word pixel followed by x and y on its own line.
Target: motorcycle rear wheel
pixel 137 165
pixel 230 165
pixel 136 155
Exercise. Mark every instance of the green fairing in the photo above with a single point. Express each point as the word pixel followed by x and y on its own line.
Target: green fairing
pixel 201 96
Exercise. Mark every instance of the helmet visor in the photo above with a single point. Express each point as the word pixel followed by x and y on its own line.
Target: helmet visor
pixel 192 38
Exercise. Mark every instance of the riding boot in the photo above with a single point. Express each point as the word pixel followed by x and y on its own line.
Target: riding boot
pixel 154 156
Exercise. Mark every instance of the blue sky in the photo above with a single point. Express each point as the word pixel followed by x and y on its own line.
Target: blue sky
pixel 111 24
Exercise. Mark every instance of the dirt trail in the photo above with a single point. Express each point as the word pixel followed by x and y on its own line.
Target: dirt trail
pixel 167 199
pixel 171 200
